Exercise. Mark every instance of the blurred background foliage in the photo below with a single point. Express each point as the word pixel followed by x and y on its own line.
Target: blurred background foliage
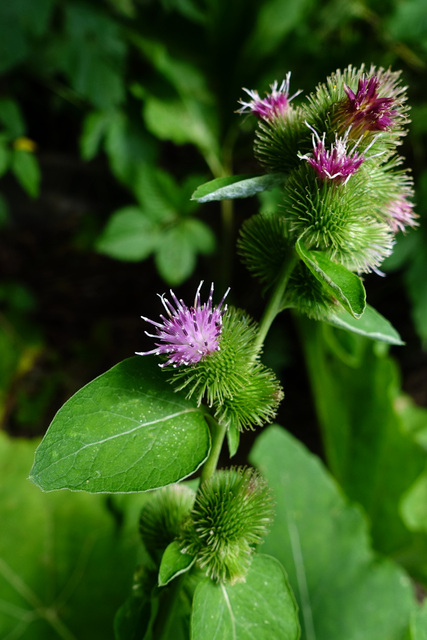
pixel 111 114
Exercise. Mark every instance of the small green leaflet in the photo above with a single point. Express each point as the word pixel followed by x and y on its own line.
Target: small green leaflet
pixel 371 325
pixel 344 285
pixel 232 187
pixel 174 563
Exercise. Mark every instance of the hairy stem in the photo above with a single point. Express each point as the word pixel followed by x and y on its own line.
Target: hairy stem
pixel 274 305
pixel 227 218
pixel 218 432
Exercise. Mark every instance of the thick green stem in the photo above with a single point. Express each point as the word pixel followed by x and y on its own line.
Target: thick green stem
pixel 218 432
pixel 275 303
pixel 227 247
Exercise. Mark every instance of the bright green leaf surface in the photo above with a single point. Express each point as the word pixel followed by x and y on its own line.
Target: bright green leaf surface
pixel 65 564
pixel 414 505
pixel 343 589
pixel 358 402
pixel 371 325
pixel 344 285
pixel 263 607
pixel 232 187
pixel 124 431
pixel 418 629
pixel 173 563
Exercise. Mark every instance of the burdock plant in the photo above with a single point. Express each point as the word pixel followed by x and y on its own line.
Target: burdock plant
pixel 153 421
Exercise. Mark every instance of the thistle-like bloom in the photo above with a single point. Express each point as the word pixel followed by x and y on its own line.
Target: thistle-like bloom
pixel 188 334
pixel 365 110
pixel 337 164
pixel 274 105
pixel 400 214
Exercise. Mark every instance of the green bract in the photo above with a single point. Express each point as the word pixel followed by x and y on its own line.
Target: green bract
pixel 162 515
pixel 242 392
pixel 231 515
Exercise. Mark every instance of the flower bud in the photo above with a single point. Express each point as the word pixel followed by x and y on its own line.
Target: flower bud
pixel 161 517
pixel 243 392
pixel 232 513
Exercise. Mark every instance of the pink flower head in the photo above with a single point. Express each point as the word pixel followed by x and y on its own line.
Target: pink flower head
pixel 188 333
pixel 365 110
pixel 338 163
pixel 400 214
pixel 274 105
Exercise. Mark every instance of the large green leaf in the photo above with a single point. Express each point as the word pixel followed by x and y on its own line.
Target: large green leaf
pixel 232 187
pixel 263 607
pixel 359 408
pixel 344 285
pixel 418 629
pixel 371 325
pixel 343 589
pixel 125 431
pixel 65 562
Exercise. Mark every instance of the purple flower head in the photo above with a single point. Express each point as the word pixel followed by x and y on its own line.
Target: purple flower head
pixel 274 105
pixel 187 334
pixel 336 164
pixel 400 214
pixel 365 110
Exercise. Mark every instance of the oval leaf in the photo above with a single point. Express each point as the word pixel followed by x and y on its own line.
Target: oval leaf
pixel 173 563
pixel 125 431
pixel 371 325
pixel 263 607
pixel 232 187
pixel 344 285
pixel 343 588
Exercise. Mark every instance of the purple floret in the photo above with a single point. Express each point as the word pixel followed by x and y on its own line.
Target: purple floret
pixel 274 105
pixel 188 334
pixel 366 110
pixel 335 164
pixel 400 214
